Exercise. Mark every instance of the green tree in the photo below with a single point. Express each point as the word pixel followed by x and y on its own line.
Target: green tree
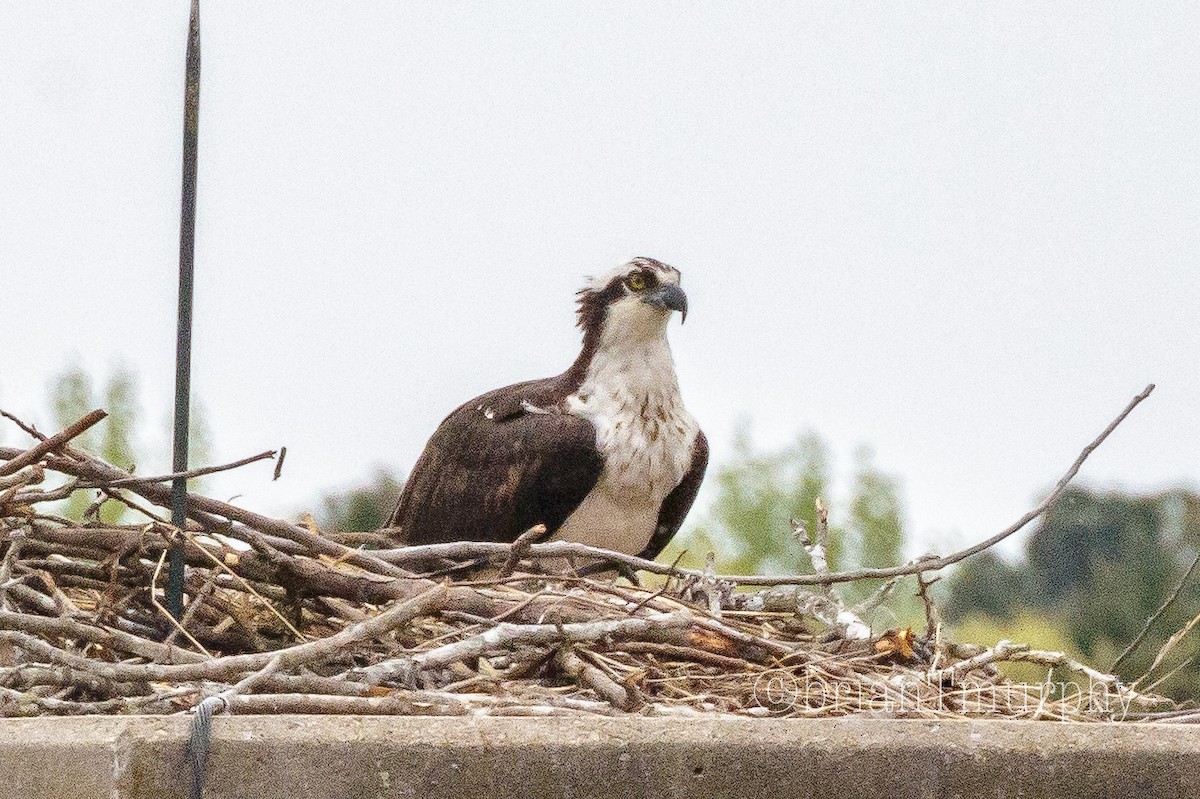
pixel 875 528
pixel 1104 558
pixel 987 584
pixel 73 394
pixel 1098 564
pixel 116 439
pixel 200 441
pixel 758 493
pixel 364 508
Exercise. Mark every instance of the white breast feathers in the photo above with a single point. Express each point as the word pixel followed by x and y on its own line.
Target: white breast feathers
pixel 645 436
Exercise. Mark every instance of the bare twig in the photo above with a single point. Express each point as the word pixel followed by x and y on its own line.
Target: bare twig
pixel 877 597
pixel 36 453
pixel 1003 650
pixel 30 475
pixel 107 637
pixel 14 552
pixel 381 562
pixel 205 508
pixel 817 545
pixel 89 635
pixel 28 704
pixel 220 566
pixel 189 474
pixel 1170 600
pixel 30 430
pixel 171 618
pixel 575 667
pixel 1047 658
pixel 520 547
pixel 1183 664
pixel 933 617
pixel 1171 643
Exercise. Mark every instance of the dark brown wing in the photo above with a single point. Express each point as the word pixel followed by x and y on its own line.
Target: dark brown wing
pixel 677 504
pixel 491 479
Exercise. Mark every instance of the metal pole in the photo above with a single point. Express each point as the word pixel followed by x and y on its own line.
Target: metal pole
pixel 183 337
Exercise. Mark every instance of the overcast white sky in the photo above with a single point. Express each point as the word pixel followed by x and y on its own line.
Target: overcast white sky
pixel 963 234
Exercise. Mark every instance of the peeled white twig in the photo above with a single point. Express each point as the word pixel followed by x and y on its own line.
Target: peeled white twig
pixel 1064 660
pixel 828 608
pixel 1008 651
pixel 817 546
pixel 1003 650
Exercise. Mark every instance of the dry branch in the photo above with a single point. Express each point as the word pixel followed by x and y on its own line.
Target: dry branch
pixel 191 473
pixel 37 452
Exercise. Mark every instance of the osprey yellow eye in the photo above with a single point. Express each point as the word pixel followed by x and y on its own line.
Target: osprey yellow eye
pixel 637 281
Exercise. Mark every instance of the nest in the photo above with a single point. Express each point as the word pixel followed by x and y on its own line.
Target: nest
pixel 281 618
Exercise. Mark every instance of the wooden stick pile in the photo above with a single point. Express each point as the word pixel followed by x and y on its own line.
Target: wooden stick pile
pixel 281 618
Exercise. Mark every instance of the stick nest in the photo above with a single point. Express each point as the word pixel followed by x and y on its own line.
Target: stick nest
pixel 282 618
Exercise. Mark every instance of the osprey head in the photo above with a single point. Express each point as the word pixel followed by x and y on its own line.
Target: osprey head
pixel 635 299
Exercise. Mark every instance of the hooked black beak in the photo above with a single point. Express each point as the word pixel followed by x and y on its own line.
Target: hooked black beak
pixel 670 297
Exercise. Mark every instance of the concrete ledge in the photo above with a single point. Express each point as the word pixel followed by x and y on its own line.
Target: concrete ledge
pixel 294 757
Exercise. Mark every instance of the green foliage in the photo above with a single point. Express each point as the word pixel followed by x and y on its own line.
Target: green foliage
pixel 875 529
pixel 1099 565
pixel 876 525
pixel 117 432
pixel 1038 629
pixel 73 393
pixel 200 441
pixel 72 396
pixel 364 508
pixel 1083 532
pixel 748 525
pixel 986 585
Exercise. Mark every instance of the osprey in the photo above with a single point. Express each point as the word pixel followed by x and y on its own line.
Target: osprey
pixel 603 454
